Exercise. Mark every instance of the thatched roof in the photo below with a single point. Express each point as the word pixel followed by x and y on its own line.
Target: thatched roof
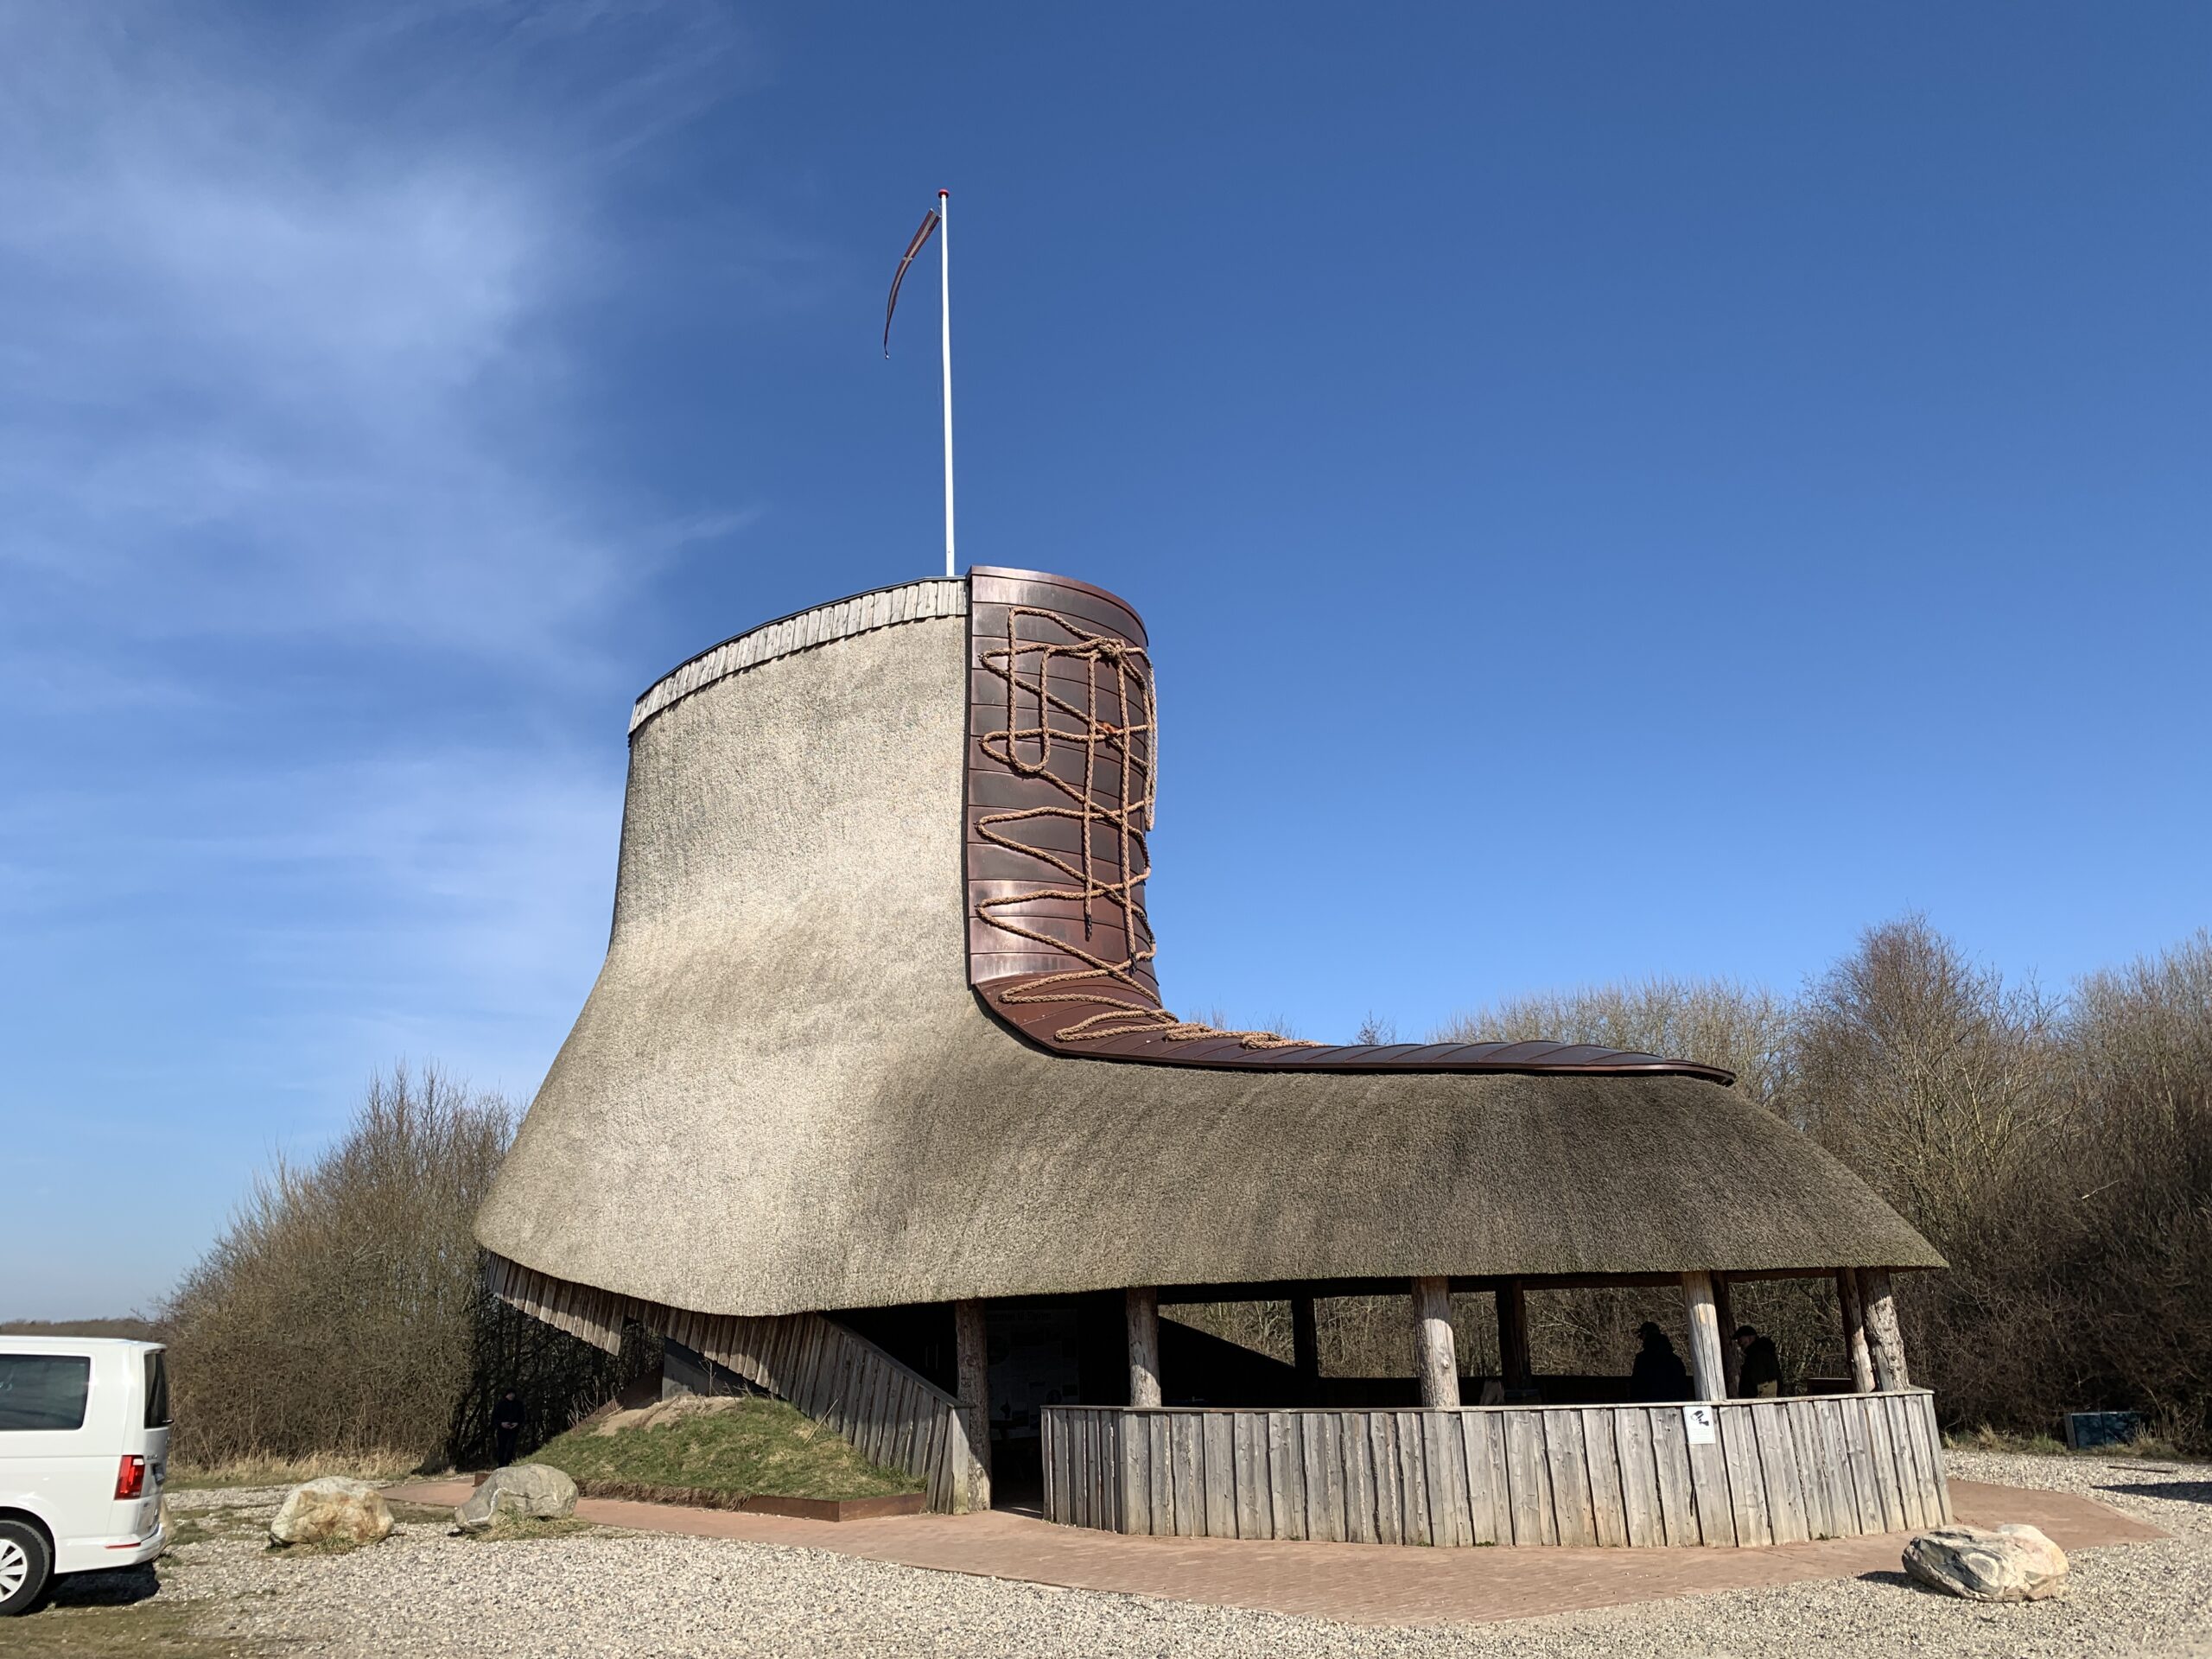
pixel 782 1094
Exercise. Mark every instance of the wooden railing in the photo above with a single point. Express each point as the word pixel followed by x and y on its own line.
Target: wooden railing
pixel 1774 1472
pixel 893 1415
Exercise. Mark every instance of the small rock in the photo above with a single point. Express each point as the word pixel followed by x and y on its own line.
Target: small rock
pixel 332 1508
pixel 537 1492
pixel 2014 1563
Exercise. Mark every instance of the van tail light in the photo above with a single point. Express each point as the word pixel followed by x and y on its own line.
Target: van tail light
pixel 130 1478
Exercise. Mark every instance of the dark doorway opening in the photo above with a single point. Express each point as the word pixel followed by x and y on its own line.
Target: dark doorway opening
pixel 1058 1350
pixel 1036 1361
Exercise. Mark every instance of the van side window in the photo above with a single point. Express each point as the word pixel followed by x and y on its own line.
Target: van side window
pixel 43 1390
pixel 157 1390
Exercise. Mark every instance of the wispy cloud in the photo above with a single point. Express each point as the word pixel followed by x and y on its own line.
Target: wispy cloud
pixel 279 360
pixel 429 897
pixel 308 576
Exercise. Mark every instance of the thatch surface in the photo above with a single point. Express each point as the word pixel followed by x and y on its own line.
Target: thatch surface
pixel 782 1095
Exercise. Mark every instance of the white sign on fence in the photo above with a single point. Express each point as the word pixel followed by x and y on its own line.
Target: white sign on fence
pixel 1702 1426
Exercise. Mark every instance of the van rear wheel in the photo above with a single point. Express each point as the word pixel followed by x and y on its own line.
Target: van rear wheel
pixel 26 1568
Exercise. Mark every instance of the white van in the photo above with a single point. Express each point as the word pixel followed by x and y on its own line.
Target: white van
pixel 83 1446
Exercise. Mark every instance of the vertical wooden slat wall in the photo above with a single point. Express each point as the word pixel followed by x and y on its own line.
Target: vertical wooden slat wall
pixel 893 1415
pixel 1779 1471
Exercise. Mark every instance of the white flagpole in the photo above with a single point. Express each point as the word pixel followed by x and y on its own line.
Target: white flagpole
pixel 945 307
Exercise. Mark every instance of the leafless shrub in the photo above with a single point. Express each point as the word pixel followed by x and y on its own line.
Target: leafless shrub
pixel 1264 1327
pixel 558 1379
pixel 2123 1206
pixel 342 1313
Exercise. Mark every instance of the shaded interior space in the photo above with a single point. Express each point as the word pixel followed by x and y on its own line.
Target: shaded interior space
pixel 1582 1343
pixel 1065 1351
pixel 1346 1346
pixel 1046 1351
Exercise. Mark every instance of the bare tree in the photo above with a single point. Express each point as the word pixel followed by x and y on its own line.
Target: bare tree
pixel 1927 1073
pixel 1742 1029
pixel 1376 1028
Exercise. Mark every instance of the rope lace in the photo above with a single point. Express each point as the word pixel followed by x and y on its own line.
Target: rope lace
pixel 1123 750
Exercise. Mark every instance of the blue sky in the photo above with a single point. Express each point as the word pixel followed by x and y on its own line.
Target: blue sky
pixel 1615 489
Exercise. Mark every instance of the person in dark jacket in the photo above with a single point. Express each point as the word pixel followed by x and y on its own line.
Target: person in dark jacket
pixel 1760 1378
pixel 1658 1373
pixel 506 1427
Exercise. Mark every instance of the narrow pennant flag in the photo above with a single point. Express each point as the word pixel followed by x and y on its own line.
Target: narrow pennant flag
pixel 922 236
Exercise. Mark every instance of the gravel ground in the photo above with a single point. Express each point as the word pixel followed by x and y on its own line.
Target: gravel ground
pixel 601 1591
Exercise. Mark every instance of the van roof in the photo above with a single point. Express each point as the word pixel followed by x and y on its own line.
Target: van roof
pixel 36 1345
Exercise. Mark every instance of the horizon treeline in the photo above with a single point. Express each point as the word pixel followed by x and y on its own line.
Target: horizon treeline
pixel 2056 1149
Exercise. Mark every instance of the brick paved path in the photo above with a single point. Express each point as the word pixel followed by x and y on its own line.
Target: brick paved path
pixel 1360 1584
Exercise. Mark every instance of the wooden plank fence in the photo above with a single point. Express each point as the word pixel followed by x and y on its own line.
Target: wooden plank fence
pixel 1778 1472
pixel 893 1415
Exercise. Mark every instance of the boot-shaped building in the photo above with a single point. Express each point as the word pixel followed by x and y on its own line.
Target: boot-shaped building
pixel 875 1105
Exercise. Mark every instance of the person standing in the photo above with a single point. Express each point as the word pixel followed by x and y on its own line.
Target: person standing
pixel 1659 1373
pixel 1761 1375
pixel 506 1427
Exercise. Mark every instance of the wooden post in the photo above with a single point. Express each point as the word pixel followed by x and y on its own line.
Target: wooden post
pixel 1724 1313
pixel 1854 1329
pixel 1305 1348
pixel 1885 1341
pixel 1144 1346
pixel 1513 1336
pixel 1436 1360
pixel 1706 1363
pixel 971 1348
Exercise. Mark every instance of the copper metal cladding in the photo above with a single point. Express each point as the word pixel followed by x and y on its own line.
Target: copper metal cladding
pixel 1061 743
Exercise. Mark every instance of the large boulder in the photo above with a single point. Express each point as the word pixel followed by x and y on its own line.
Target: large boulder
pixel 330 1509
pixel 533 1491
pixel 2014 1563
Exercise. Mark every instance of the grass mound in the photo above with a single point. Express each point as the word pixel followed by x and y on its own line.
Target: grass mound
pixel 721 1449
